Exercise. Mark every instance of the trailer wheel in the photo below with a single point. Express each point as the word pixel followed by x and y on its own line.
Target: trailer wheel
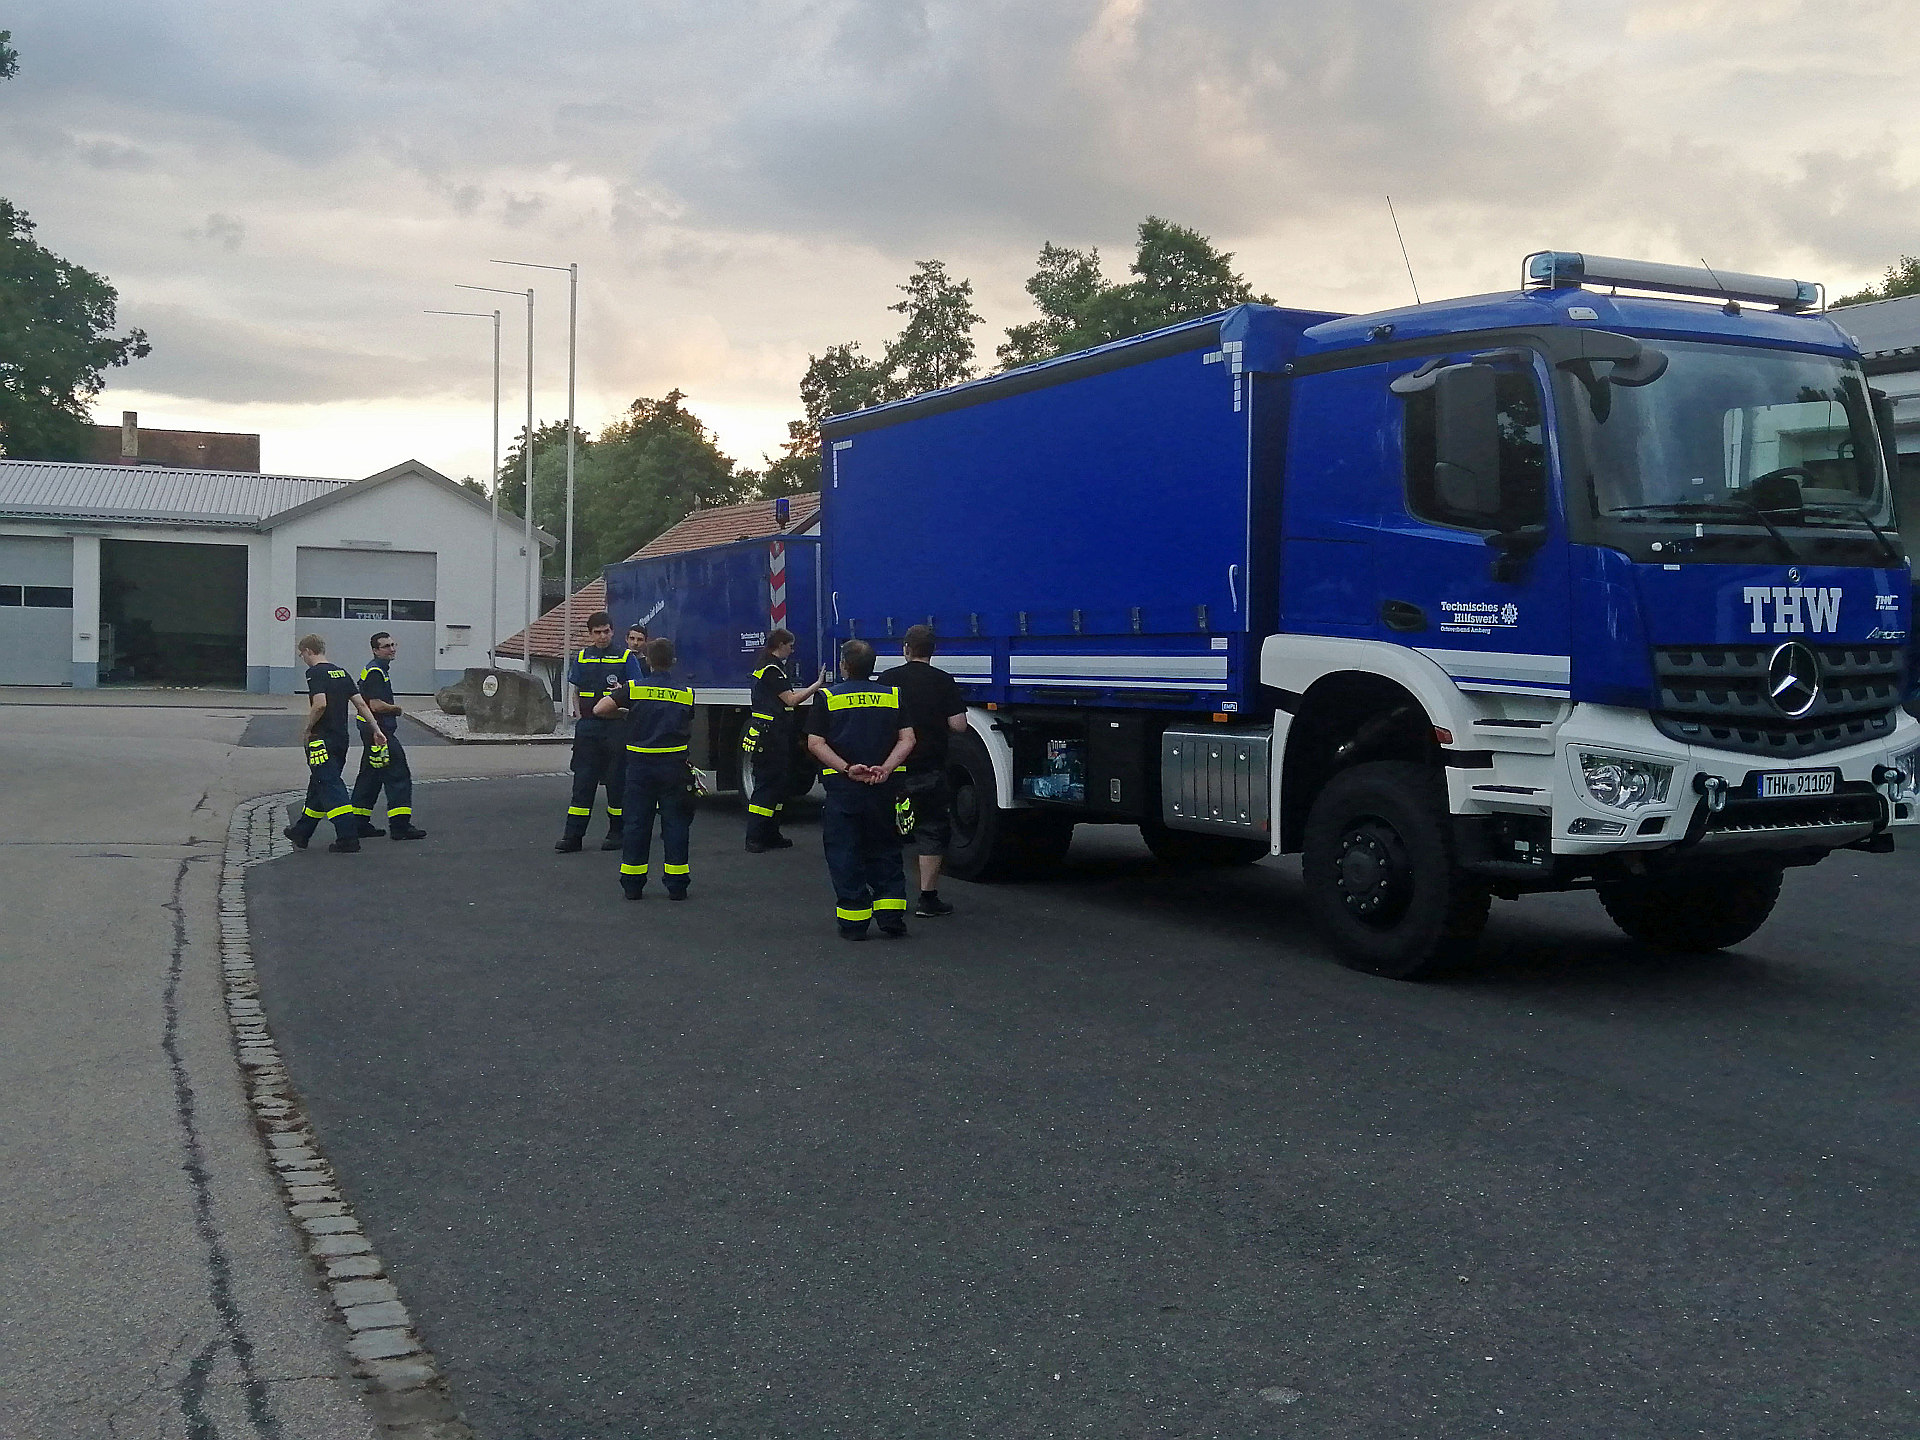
pixel 990 843
pixel 1187 850
pixel 1380 876
pixel 1695 913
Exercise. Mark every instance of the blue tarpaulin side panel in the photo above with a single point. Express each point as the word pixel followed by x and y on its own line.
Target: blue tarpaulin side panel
pixel 1084 528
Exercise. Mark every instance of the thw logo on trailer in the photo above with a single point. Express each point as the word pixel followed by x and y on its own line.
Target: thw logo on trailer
pixel 1797 609
pixel 777 584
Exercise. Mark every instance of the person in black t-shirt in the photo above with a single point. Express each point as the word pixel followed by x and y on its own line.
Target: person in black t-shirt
pixel 768 739
pixel 325 737
pixel 930 700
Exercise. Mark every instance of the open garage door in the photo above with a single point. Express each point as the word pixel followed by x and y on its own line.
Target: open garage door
pixel 347 595
pixel 173 614
pixel 36 610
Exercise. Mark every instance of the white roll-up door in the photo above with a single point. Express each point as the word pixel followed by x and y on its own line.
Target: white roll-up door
pixel 345 596
pixel 36 610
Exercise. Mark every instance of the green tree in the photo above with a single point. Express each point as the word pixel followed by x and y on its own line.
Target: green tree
pixel 934 349
pixel 550 437
pixel 935 345
pixel 9 57
pixel 1179 275
pixel 1902 278
pixel 645 472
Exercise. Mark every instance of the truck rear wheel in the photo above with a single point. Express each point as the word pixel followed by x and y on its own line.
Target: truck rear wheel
pixel 1696 913
pixel 990 843
pixel 1380 876
pixel 1189 850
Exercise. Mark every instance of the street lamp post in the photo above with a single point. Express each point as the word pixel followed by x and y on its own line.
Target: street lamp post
pixel 573 331
pixel 493 491
pixel 533 553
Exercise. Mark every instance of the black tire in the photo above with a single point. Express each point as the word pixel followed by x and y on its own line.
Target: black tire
pixel 990 843
pixel 1380 875
pixel 1187 850
pixel 1695 913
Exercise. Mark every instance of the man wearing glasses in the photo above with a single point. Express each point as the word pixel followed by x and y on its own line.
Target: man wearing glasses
pixel 383 769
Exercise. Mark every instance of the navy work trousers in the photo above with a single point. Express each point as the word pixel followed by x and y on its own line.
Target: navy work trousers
pixel 597 760
pixel 327 797
pixel 395 777
pixel 657 785
pixel 863 856
pixel 772 767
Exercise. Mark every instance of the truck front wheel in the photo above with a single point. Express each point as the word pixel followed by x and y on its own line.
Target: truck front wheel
pixel 1380 876
pixel 990 843
pixel 1696 913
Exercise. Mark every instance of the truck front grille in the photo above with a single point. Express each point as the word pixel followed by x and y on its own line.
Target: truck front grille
pixel 1716 695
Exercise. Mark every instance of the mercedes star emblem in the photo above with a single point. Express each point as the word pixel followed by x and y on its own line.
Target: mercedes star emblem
pixel 1793 679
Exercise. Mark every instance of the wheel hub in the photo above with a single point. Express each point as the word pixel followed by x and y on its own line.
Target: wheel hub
pixel 1372 873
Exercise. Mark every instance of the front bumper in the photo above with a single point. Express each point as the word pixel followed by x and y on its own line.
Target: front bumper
pixel 1858 808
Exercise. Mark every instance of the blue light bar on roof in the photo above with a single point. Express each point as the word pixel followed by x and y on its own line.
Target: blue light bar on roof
pixel 1560 269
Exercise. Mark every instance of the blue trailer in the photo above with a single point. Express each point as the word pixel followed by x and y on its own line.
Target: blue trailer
pixel 717 604
pixel 1541 590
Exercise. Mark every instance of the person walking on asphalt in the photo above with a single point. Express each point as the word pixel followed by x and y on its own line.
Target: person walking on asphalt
pixel 930 700
pixel 324 735
pixel 768 739
pixel 393 774
pixel 598 759
pixel 659 779
pixel 858 733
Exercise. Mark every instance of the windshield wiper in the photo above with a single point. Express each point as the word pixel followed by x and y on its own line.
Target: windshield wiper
pixel 1715 507
pixel 1852 513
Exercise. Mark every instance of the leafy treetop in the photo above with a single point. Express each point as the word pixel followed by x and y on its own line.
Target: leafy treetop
pixel 1902 278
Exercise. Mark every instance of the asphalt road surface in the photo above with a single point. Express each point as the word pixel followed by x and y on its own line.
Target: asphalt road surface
pixel 278 730
pixel 1121 1154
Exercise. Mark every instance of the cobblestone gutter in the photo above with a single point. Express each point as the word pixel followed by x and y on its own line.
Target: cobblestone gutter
pixel 405 1389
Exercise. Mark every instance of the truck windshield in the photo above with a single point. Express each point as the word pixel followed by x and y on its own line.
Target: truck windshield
pixel 1722 417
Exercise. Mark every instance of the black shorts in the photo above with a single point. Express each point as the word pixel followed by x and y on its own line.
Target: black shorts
pixel 932 799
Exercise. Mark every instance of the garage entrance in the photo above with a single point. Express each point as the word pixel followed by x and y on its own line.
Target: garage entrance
pixel 173 614
pixel 36 610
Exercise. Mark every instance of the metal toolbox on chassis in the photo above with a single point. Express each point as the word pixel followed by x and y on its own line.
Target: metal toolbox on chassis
pixel 1214 779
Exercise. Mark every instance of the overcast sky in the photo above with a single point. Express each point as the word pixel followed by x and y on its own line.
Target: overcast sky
pixel 279 191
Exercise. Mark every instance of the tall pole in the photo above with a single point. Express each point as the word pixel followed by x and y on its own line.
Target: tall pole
pixel 493 492
pixel 573 351
pixel 532 551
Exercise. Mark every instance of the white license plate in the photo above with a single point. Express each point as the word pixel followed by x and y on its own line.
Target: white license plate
pixel 1785 783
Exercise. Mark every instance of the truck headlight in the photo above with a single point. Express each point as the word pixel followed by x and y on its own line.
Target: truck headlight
pixel 1623 784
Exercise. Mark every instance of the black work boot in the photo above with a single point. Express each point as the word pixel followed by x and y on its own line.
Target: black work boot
pixel 299 840
pixel 403 831
pixel 566 844
pixel 345 847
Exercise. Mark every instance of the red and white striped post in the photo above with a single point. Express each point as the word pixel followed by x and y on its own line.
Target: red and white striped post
pixel 777 584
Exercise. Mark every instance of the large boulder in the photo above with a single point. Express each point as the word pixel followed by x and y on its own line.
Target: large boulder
pixel 507 702
pixel 452 699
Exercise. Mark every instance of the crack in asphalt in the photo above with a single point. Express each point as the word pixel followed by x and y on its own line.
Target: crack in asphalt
pixel 233 1335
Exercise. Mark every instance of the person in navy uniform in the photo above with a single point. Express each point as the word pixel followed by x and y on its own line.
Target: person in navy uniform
pixel 324 736
pixel 659 779
pixel 598 758
pixel 859 734
pixel 930 699
pixel 768 739
pixel 637 648
pixel 383 760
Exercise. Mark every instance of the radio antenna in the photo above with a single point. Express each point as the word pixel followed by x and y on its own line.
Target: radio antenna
pixel 1403 250
pixel 1732 307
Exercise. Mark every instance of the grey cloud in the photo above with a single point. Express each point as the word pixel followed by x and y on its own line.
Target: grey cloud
pixel 200 357
pixel 223 230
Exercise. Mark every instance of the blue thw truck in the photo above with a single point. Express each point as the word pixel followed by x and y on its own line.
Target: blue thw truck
pixel 1549 589
pixel 717 605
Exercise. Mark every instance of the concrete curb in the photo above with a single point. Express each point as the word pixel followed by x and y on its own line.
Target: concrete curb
pixel 406 1392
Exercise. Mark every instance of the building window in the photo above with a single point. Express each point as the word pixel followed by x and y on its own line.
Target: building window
pixel 363 609
pixel 318 607
pixel 50 597
pixel 9 594
pixel 412 610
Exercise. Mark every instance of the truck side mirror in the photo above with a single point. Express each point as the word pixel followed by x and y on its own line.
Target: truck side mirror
pixel 1466 471
pixel 1890 448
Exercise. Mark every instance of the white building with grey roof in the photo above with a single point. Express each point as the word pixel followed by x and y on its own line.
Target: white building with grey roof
pixel 145 575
